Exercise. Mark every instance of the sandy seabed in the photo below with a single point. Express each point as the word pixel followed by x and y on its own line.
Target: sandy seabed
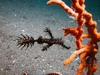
pixel 31 18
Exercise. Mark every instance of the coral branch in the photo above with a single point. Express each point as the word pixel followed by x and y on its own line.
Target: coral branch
pixel 64 6
pixel 71 58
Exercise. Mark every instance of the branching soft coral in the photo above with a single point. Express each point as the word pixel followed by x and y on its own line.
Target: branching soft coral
pixel 86 52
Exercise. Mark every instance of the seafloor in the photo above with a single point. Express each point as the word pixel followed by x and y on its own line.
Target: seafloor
pixel 31 17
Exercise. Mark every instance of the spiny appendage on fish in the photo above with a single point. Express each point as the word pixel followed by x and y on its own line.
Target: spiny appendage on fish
pixel 25 41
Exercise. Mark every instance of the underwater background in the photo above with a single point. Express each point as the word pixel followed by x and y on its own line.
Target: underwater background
pixel 31 17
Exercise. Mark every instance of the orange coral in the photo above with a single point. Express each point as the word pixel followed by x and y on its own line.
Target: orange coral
pixel 86 52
